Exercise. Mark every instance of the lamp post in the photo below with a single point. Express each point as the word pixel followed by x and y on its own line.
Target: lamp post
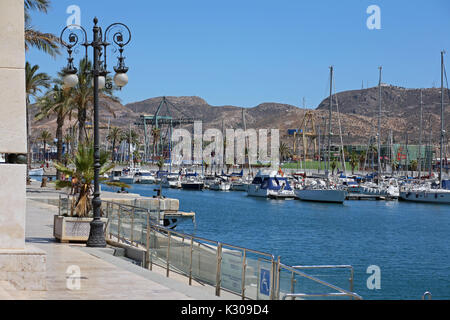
pixel 99 72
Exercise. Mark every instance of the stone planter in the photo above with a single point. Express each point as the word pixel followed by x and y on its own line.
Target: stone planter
pixel 67 229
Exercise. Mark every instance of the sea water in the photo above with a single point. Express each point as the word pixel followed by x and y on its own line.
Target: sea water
pixel 409 243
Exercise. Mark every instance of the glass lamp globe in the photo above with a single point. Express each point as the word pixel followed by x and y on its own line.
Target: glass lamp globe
pixel 121 79
pixel 70 80
pixel 101 82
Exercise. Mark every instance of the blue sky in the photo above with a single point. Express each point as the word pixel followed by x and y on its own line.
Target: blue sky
pixel 247 52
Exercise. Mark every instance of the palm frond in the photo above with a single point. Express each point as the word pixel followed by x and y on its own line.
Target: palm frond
pixel 63 184
pixel 46 42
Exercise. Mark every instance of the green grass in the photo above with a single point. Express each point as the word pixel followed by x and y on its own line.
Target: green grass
pixel 313 165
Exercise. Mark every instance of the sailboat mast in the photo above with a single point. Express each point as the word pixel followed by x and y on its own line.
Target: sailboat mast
pixel 245 142
pixel 379 129
pixel 420 134
pixel 329 121
pixel 442 120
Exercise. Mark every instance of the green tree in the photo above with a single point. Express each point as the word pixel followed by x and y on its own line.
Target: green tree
pixel 333 166
pixel 114 136
pixel 46 42
pixel 284 151
pixel 156 133
pixel 35 82
pixel 354 160
pixel 413 165
pixel 130 137
pixel 56 101
pixel 45 137
pixel 82 169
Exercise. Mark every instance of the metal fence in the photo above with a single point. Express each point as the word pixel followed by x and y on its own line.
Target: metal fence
pixel 251 274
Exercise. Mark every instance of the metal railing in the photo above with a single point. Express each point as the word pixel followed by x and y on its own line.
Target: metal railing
pixel 251 274
pixel 294 271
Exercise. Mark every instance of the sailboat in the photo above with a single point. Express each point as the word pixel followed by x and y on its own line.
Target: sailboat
pixel 324 192
pixel 424 193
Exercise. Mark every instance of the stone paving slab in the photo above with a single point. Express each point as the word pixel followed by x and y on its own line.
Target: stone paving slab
pixel 101 275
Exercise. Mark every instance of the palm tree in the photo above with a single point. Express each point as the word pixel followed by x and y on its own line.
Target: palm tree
pixel 354 160
pixel 131 137
pixel 114 136
pixel 34 83
pixel 333 166
pixel 56 101
pixel 83 172
pixel 362 161
pixel 160 164
pixel 46 42
pixel 413 165
pixel 156 133
pixel 45 137
pixel 68 139
pixel 284 151
pixel 83 96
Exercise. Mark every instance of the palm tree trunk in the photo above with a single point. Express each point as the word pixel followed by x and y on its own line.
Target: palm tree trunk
pixel 81 125
pixel 113 150
pixel 45 145
pixel 59 143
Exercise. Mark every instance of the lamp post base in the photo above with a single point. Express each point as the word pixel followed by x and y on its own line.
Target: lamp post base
pixel 96 235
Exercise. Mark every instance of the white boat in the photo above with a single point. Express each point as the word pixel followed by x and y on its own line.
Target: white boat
pixel 270 185
pixel 239 186
pixel 390 190
pixel 128 175
pixel 171 181
pixel 209 180
pixel 322 195
pixel 220 185
pixel 144 177
pixel 424 194
pixel 191 181
pixel 36 172
pixel 115 175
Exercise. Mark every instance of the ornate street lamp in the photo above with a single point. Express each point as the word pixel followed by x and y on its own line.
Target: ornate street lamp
pixel 121 36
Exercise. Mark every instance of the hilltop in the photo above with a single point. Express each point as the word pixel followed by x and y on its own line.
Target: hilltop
pixel 358 110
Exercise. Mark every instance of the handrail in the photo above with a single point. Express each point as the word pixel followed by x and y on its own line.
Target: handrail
pixel 117 211
pixel 427 293
pixel 342 292
pixel 331 267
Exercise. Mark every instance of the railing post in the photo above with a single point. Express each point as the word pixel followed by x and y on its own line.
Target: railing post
pixel 244 267
pixel 190 260
pixel 147 245
pixel 292 283
pixel 219 263
pixel 351 281
pixel 168 254
pixel 132 226
pixel 59 206
pixel 119 211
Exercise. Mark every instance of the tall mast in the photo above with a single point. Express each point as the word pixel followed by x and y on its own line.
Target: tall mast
pixel 442 120
pixel 245 142
pixel 420 134
pixel 329 122
pixel 379 129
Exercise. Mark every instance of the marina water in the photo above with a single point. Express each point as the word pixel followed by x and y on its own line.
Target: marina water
pixel 409 242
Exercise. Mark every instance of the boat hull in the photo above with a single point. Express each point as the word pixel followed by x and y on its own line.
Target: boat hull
pixel 192 186
pixel 36 172
pixel 331 196
pixel 127 180
pixel 426 196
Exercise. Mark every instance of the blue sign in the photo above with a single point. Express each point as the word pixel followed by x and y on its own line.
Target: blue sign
pixel 264 282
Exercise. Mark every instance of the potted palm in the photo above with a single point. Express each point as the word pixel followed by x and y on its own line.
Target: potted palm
pixel 75 224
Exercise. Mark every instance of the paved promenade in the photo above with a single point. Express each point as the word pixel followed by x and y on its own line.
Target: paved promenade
pixel 102 275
